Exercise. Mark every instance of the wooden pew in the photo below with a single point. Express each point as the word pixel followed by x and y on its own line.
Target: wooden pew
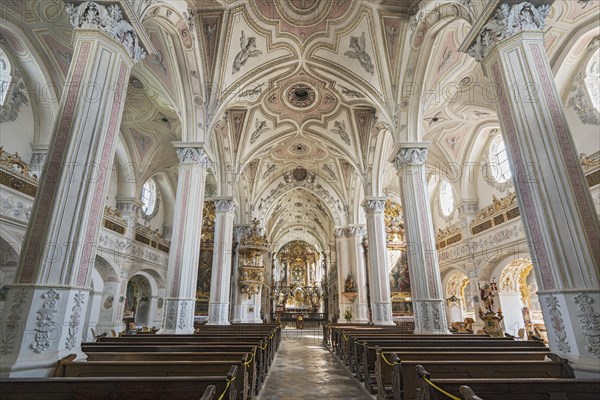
pixel 383 371
pixel 253 378
pixel 502 389
pixel 365 360
pixel 404 381
pixel 240 385
pixel 116 388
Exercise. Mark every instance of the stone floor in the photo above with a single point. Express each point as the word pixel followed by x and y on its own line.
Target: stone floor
pixel 304 369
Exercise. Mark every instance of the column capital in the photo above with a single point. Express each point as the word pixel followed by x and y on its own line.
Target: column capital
pixel 224 204
pixel 129 204
pixel 339 232
pixel 191 153
pixel 113 20
pixel 374 204
pixel 501 21
pixel 409 154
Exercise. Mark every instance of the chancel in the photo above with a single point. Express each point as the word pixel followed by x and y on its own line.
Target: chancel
pixel 199 198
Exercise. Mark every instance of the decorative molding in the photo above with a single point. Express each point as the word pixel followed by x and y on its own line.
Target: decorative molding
pixel 128 248
pixel 260 128
pixel 192 155
pixel 507 22
pixel 75 320
pixel 13 325
pixel 558 324
pixel 339 128
pixel 248 50
pixel 410 156
pixel 11 108
pixel 46 321
pixel 15 207
pixel 374 206
pixel 580 102
pixel 224 205
pixel 358 47
pixel 590 323
pixel 183 315
pixel 107 19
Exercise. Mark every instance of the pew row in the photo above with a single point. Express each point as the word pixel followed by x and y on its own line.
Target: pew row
pixel 118 388
pixel 402 383
pixel 502 389
pixel 240 386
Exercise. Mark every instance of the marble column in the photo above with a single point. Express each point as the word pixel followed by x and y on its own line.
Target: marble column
pixel 356 256
pixel 344 268
pixel 218 307
pixel 182 271
pixel 555 204
pixel 379 283
pixel 425 281
pixel 239 230
pixel 47 304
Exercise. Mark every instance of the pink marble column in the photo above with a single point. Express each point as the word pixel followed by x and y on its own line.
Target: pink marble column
pixel 184 254
pixel 220 284
pixel 555 204
pixel 425 281
pixel 379 283
pixel 47 304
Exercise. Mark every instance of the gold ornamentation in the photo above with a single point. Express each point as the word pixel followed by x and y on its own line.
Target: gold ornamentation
pixel 497 206
pixel 588 162
pixel 208 225
pixel 394 223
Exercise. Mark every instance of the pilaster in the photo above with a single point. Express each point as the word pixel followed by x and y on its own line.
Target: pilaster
pixel 425 281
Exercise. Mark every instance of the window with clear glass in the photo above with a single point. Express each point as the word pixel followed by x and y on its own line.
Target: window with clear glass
pixel 5 70
pixel 446 198
pixel 592 80
pixel 148 196
pixel 499 167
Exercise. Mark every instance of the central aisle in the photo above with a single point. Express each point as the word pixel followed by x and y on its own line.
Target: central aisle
pixel 304 369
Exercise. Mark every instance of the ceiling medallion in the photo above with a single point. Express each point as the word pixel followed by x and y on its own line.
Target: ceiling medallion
pixel 300 174
pixel 301 95
pixel 299 148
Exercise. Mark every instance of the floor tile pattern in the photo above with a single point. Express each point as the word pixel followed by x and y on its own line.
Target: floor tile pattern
pixel 305 370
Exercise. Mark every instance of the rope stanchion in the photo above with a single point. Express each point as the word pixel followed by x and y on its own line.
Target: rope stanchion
pixel 439 389
pixel 390 363
pixel 226 388
pixel 250 360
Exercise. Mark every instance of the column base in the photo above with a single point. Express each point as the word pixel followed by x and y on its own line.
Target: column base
pixel 382 313
pixel 572 328
pixel 430 317
pixel 42 324
pixel 218 314
pixel 179 317
pixel 247 314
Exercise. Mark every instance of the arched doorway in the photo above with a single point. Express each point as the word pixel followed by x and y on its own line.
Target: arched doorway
pixel 456 304
pixel 517 292
pixel 137 301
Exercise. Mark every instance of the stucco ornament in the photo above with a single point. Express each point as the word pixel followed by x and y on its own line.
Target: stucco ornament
pixel 108 19
pixel 46 321
pixel 508 21
pixel 590 323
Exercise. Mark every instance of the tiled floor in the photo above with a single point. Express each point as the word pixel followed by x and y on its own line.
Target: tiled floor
pixel 305 370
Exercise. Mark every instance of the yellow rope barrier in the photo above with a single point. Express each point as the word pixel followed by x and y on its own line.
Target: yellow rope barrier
pixel 226 387
pixel 387 362
pixel 264 347
pixel 439 389
pixel 250 360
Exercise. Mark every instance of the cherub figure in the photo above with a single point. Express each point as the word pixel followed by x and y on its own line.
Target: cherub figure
pixel 359 45
pixel 248 46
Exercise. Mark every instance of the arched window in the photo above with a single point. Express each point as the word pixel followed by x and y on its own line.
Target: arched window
pixel 148 196
pixel 446 198
pixel 499 167
pixel 5 76
pixel 592 80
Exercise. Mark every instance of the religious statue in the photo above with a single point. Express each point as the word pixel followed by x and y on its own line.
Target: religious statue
pixel 350 284
pixel 487 296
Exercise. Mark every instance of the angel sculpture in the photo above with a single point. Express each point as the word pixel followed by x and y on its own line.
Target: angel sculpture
pixel 392 31
pixel 261 127
pixel 248 46
pixel 339 128
pixel 359 45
